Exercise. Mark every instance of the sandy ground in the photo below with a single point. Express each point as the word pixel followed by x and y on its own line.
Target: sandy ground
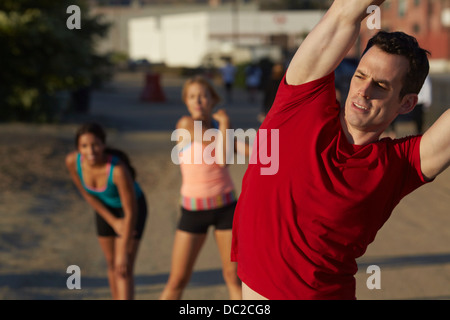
pixel 46 226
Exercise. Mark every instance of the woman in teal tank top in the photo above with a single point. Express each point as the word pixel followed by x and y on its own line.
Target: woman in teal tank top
pixel 106 180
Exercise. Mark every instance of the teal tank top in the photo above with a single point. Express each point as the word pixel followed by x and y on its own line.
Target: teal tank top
pixel 108 195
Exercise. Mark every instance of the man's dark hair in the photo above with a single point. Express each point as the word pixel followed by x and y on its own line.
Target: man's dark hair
pixel 407 46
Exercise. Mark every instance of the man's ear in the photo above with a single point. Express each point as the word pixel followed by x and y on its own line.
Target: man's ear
pixel 409 101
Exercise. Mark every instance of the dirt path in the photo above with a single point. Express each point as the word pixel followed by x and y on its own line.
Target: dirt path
pixel 46 226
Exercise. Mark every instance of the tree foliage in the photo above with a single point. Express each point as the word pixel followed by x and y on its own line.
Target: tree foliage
pixel 40 56
pixel 295 4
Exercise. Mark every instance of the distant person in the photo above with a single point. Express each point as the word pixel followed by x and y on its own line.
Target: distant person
pixel 270 89
pixel 106 180
pixel 423 105
pixel 208 196
pixel 228 76
pixel 253 76
pixel 343 76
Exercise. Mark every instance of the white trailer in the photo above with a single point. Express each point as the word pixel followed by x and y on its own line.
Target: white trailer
pixel 187 39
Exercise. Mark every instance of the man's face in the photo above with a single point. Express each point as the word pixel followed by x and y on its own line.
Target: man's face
pixel 374 100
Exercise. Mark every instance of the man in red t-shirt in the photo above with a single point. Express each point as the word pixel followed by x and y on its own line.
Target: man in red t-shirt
pixel 297 232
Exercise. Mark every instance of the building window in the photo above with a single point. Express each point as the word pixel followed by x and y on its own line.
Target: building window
pixel 416 28
pixel 417 3
pixel 402 8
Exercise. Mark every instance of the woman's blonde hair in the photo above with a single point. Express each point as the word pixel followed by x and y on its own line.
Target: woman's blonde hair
pixel 202 81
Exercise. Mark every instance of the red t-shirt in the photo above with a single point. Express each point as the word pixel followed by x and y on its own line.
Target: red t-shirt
pixel 297 233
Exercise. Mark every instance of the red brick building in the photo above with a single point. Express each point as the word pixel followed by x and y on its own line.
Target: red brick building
pixel 427 20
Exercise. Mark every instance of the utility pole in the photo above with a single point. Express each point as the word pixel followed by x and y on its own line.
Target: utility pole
pixel 235 22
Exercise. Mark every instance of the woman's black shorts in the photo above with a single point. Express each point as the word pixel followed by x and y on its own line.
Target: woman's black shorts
pixel 105 230
pixel 199 221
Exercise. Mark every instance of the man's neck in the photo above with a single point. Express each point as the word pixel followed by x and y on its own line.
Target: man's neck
pixel 358 137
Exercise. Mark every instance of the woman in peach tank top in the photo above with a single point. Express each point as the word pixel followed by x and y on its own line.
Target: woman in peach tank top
pixel 207 192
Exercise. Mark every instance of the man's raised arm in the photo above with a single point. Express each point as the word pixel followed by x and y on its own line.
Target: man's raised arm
pixel 330 40
pixel 435 147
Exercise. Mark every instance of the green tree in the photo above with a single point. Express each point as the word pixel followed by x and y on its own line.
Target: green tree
pixel 295 4
pixel 40 56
